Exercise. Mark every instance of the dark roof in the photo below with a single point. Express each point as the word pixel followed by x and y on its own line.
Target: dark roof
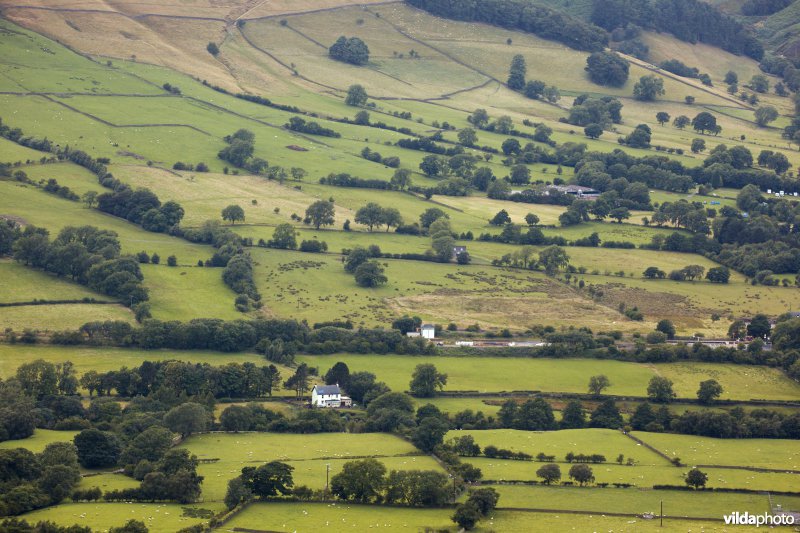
pixel 328 390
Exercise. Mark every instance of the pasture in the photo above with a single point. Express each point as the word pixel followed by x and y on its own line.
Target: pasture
pixel 184 293
pixel 159 517
pixel 693 450
pixel 508 374
pixel 57 317
pixel 19 283
pixel 640 476
pixel 39 440
pixel 678 504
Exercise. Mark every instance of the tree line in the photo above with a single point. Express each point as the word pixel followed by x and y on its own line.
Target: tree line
pixel 688 20
pixel 520 15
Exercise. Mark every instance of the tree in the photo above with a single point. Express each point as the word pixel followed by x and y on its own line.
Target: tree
pixel 607 68
pixel 681 121
pixel 698 145
pixel 467 137
pixel 356 96
pixel 759 83
pixel 466 515
pixel 485 500
pixel 765 115
pixel 597 384
pixel 233 213
pixel 131 526
pixel 299 381
pixel 271 479
pixel 213 49
pixel 696 478
pixel 442 240
pixel 662 117
pixel 187 418
pixel 606 415
pixel 709 391
pixel 356 258
pixel 654 273
pixel 89 198
pixel 237 492
pixel 517 72
pixel 553 258
pixel 320 213
pixel 759 326
pixel 501 218
pixel 648 88
pixel 519 175
pixel 666 327
pixel 426 380
pixel 429 433
pixel 370 274
pixel 531 219
pixel 581 473
pixel 370 215
pixel 704 121
pixel 360 481
pixel 338 374
pixel 573 416
pixel 619 214
pixel 401 178
pixel 550 473
pixel 57 481
pixel 284 237
pixel 511 146
pixel 731 77
pixel 593 131
pixel 149 445
pixel 97 449
pixel 718 275
pixel 431 215
pixel 659 389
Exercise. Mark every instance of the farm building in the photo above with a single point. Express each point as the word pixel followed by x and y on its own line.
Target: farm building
pixel 574 190
pixel 329 396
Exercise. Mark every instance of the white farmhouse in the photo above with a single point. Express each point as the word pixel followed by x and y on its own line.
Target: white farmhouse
pixel 428 331
pixel 329 396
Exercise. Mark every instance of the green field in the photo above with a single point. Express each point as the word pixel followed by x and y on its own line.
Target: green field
pixel 686 504
pixel 93 77
pixel 39 440
pixel 184 293
pixel 308 454
pixel 243 447
pixel 159 517
pixel 487 374
pixel 19 283
pixel 60 316
pixel 312 516
pixel 759 453
pixel 641 476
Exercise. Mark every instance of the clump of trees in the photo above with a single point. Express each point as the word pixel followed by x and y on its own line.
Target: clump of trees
pixel 607 68
pixel 349 50
pixel 85 254
pixel 240 150
pixel 311 128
